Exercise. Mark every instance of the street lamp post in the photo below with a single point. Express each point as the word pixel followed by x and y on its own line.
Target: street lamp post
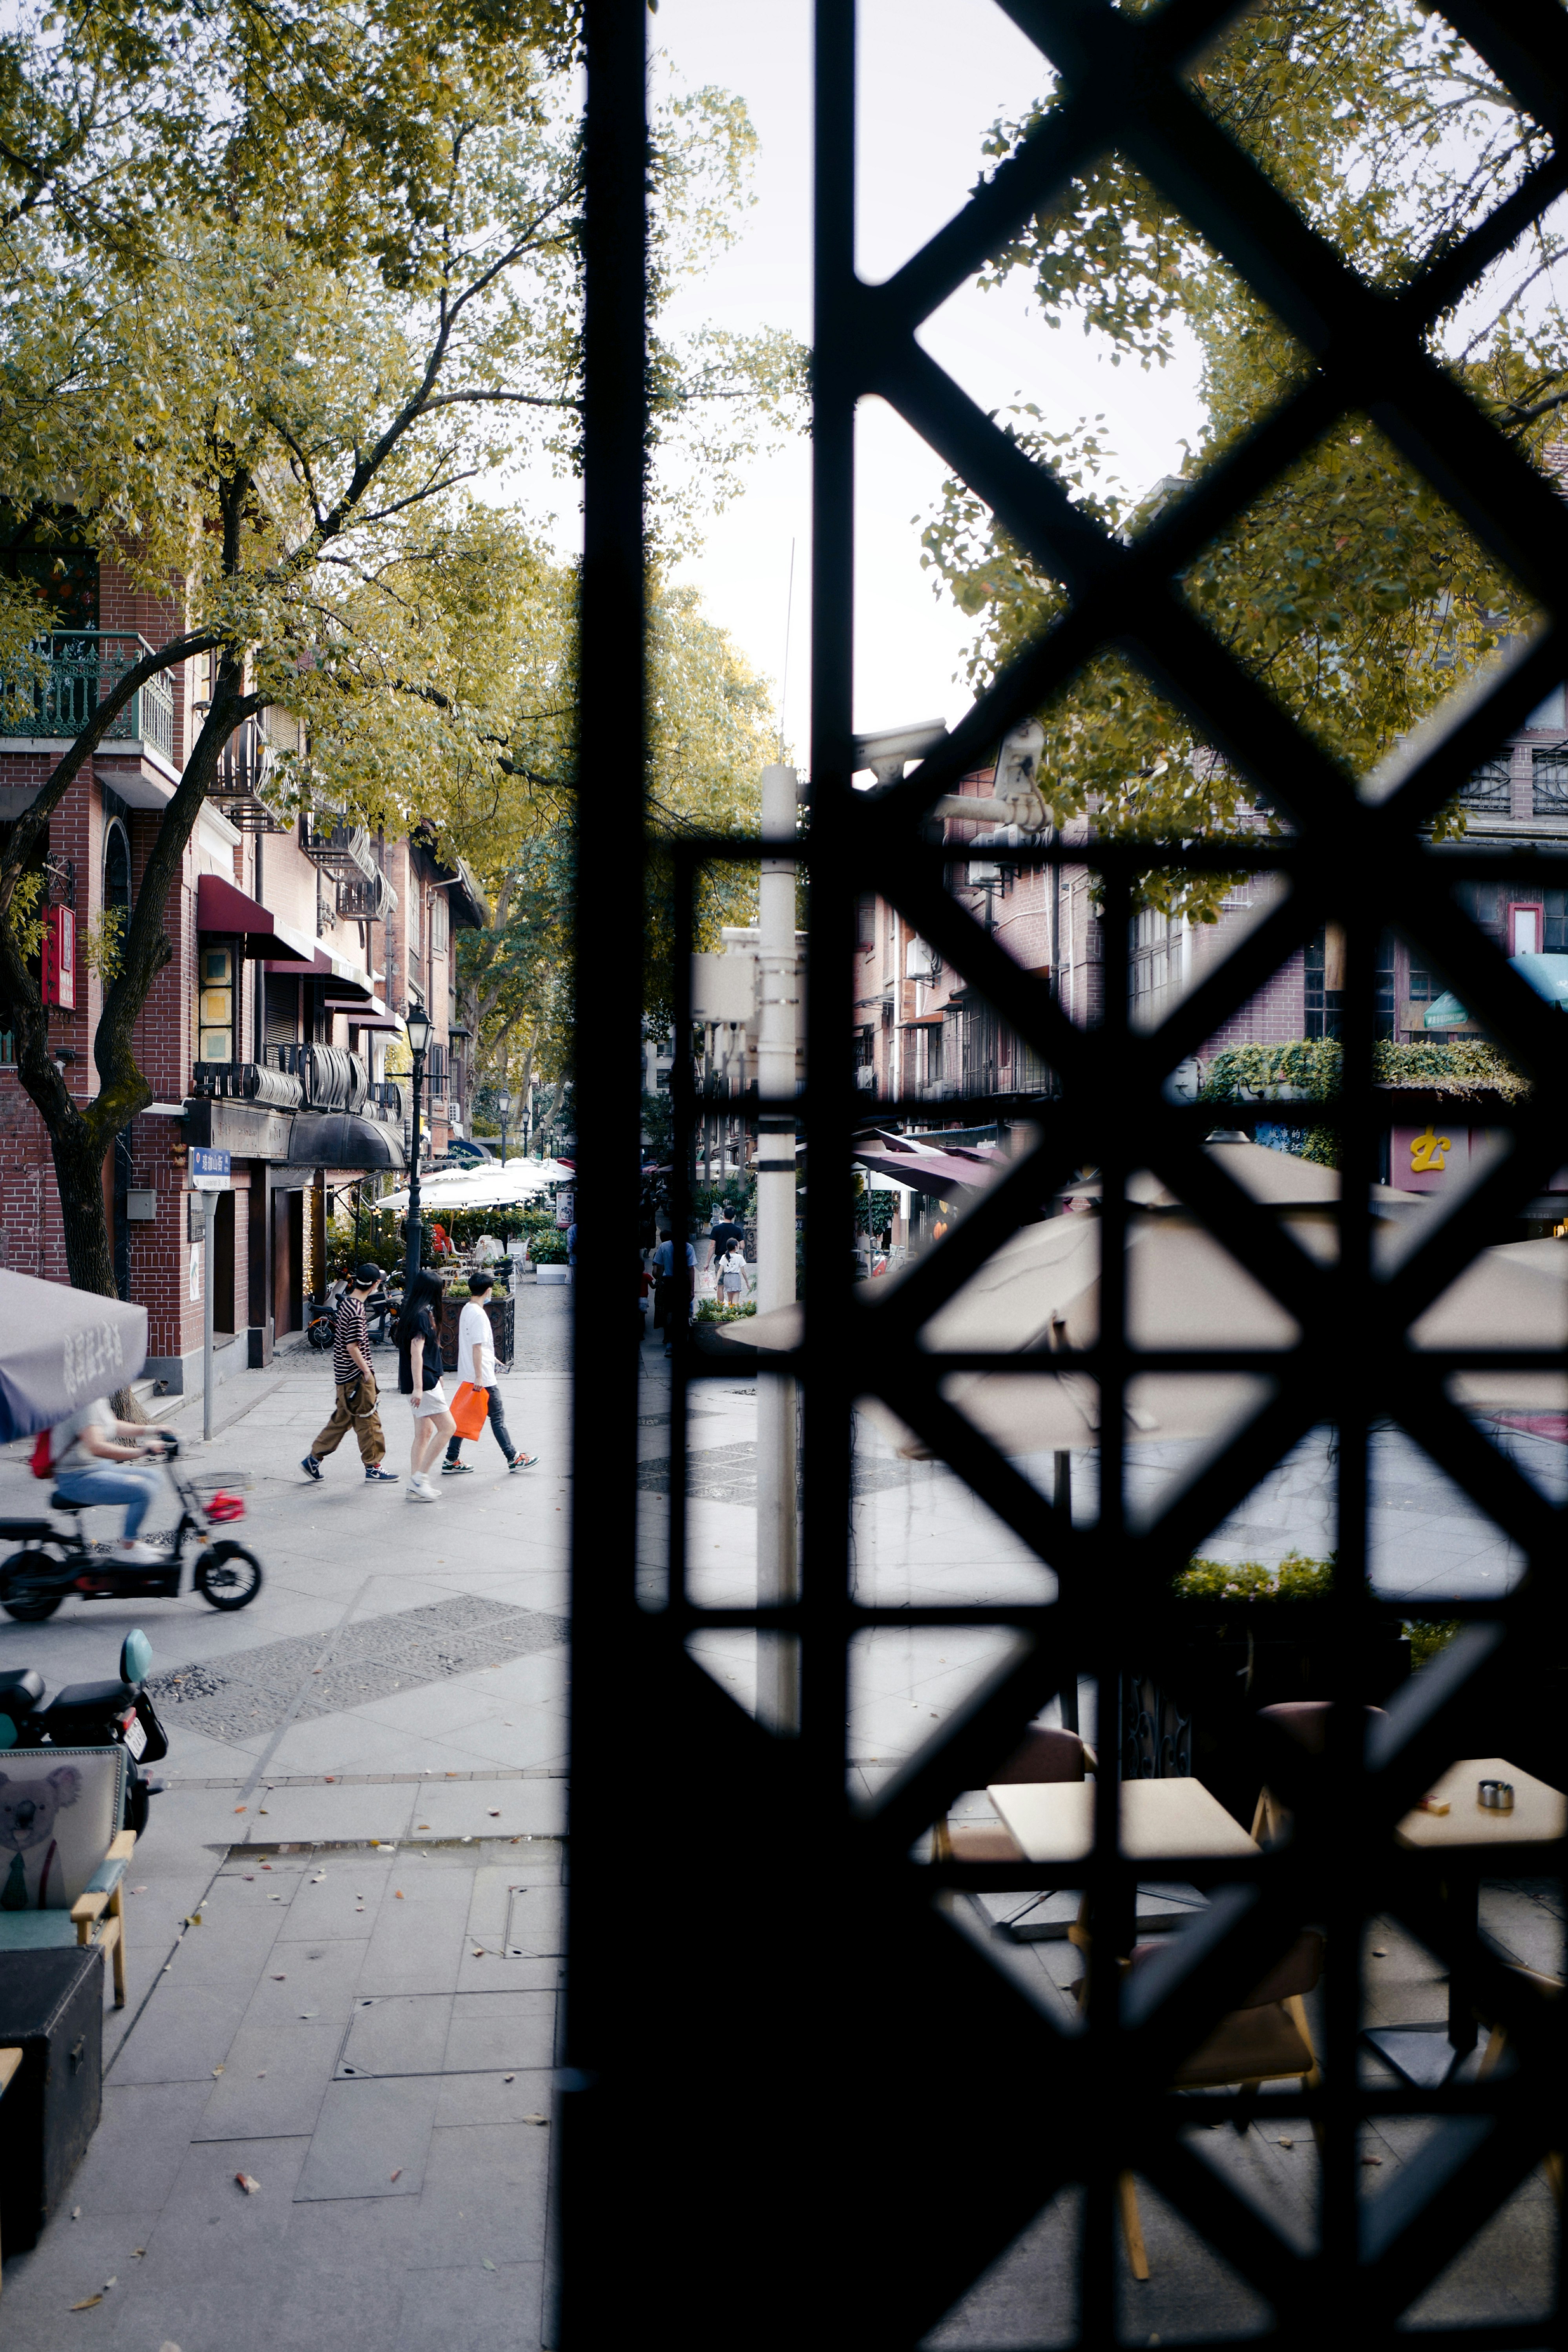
pixel 417 1021
pixel 503 1105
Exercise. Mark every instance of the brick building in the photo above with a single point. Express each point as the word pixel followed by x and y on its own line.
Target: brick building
pixel 297 943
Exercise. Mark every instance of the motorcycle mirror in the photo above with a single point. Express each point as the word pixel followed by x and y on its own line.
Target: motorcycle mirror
pixel 135 1657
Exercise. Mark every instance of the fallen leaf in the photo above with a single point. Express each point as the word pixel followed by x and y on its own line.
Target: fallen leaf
pixel 1371 2159
pixel 283 1980
pixel 217 2070
pixel 421 1825
pixel 248 2183
pixel 261 1813
pixel 240 1808
pixel 261 2077
pixel 110 2282
pixel 309 2012
pixel 495 1812
pixel 395 2176
pixel 76 2213
pixel 138 2253
pixel 1284 2143
pixel 1380 1951
pixel 87 2303
pixel 139 1890
pixel 536 2120
pixel 479 1951
pixel 400 1894
pixel 330 1777
pixel 193 1920
pixel 508 2078
pixel 489 2265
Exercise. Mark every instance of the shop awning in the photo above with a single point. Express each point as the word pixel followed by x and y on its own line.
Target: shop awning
pixel 341 1138
pixel 369 1013
pixel 312 960
pixel 221 908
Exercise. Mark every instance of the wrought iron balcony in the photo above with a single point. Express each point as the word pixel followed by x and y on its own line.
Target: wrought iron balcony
pixel 239 781
pixel 83 667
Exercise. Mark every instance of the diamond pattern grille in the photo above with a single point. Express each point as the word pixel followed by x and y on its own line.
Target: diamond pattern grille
pixel 946 2108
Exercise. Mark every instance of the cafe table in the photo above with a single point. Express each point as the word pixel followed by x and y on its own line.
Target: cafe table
pixel 1478 1838
pixel 1053 1820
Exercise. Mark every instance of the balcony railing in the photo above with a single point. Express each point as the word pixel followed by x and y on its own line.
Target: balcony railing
pixel 303 1078
pixel 83 666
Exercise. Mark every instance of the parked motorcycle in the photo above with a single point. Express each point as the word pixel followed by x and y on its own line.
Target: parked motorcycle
pixel 92 1715
pixel 53 1563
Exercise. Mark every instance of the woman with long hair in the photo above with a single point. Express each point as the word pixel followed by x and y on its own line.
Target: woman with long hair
pixel 419 1339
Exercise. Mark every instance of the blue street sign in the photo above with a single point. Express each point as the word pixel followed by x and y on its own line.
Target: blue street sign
pixel 209 1170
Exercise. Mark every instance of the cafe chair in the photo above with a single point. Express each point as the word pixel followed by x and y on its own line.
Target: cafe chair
pixel 62 1852
pixel 1045 1755
pixel 1266 2038
pixel 1307 1720
pixel 1497 2042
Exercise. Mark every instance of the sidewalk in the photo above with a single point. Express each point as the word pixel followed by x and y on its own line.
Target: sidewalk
pixel 366 1818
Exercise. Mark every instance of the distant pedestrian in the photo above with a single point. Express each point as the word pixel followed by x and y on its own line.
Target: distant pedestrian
pixel 356 1391
pixel 419 1339
pixel 667 1291
pixel 477 1364
pixel 730 1276
pixel 727 1233
pixel 572 1243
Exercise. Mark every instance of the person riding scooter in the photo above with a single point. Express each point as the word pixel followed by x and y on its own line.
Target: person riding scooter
pixel 92 1463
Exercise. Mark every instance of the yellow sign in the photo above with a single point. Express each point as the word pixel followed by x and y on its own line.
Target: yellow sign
pixel 1426 1153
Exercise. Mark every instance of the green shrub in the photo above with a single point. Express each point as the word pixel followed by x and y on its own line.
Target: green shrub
pixel 1428 1637
pixel 548 1248
pixel 711 1310
pixel 1297 1577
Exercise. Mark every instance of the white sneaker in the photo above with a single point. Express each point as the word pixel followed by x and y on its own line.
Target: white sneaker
pixel 419 1490
pixel 136 1555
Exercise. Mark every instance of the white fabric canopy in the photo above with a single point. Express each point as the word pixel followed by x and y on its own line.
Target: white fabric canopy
pixel 486 1184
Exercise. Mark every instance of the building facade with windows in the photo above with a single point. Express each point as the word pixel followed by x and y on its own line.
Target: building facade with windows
pixel 275 1031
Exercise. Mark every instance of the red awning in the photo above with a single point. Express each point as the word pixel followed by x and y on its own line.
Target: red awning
pixel 223 909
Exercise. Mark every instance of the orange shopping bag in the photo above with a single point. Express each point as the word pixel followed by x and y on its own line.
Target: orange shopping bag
pixel 470 1407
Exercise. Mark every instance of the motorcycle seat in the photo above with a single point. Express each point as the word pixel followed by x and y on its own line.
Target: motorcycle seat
pixel 59 1502
pixel 26 1530
pixel 97 1697
pixel 20 1691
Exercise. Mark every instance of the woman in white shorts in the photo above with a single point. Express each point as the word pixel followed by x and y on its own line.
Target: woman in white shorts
pixel 418 1340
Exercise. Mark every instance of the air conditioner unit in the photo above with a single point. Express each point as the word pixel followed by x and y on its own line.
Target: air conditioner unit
pixel 920 961
pixel 866 1079
pixel 982 870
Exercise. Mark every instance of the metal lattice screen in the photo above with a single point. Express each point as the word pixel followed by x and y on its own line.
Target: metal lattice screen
pixel 802 2105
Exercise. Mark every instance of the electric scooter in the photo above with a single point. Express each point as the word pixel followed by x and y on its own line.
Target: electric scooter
pixel 54 1564
pixel 92 1715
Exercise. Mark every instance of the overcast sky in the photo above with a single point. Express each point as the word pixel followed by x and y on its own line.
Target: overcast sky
pixel 934 75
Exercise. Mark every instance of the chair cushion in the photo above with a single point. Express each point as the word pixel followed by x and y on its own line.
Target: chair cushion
pixel 36 1931
pixel 984 1841
pixel 1297 1971
pixel 1249 2045
pixel 60 1809
pixel 1046 1754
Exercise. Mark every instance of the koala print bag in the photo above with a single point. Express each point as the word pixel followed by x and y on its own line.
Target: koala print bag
pixel 59 1810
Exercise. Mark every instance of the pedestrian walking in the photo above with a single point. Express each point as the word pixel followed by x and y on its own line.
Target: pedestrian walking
pixel 418 1340
pixel 356 1406
pixel 730 1276
pixel 477 1365
pixel 667 1291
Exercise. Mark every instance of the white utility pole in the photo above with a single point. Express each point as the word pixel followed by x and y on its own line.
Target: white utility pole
pixel 778 989
pixel 209 1223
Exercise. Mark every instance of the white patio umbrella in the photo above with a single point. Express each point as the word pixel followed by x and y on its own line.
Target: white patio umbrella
pixel 492 1184
pixel 1041 1289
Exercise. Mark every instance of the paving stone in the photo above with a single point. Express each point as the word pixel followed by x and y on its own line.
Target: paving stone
pixel 183 2032
pixel 472 2309
pixel 366 2132
pixel 396 2033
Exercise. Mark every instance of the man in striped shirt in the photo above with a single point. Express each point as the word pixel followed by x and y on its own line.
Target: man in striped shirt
pixel 355 1406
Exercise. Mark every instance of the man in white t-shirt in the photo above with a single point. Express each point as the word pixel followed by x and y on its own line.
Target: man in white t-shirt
pixel 93 1464
pixel 477 1362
